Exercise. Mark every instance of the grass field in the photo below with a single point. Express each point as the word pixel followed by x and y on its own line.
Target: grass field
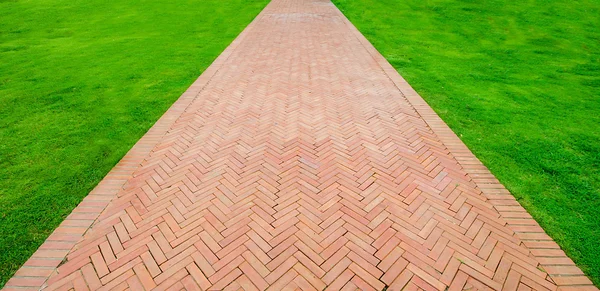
pixel 519 82
pixel 80 83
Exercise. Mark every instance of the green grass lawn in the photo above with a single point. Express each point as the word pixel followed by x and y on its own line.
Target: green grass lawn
pixel 519 82
pixel 80 83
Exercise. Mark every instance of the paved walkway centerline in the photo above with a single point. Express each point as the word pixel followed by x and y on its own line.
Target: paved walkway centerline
pixel 300 159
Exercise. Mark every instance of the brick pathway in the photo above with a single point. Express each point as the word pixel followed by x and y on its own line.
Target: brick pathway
pixel 300 159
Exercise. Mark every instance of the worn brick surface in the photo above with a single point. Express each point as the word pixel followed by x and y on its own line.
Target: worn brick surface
pixel 300 159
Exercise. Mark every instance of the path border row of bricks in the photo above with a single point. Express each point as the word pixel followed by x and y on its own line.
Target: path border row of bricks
pixel 37 269
pixel 552 258
pixel 35 272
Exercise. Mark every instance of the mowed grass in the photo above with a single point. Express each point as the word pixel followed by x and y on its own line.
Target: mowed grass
pixel 519 82
pixel 80 83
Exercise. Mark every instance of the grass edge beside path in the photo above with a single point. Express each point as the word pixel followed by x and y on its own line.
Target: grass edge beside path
pixel 80 83
pixel 519 83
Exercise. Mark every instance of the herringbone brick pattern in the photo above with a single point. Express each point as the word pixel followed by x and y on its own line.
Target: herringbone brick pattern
pixel 299 164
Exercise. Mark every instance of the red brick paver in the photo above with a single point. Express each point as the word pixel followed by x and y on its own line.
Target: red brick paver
pixel 300 160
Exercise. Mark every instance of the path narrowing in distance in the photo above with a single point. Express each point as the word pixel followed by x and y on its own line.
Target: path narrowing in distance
pixel 300 160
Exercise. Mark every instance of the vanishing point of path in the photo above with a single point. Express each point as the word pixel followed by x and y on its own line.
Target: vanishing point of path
pixel 299 160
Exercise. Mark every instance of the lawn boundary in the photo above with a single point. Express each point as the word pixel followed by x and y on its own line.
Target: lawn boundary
pixel 34 273
pixel 561 269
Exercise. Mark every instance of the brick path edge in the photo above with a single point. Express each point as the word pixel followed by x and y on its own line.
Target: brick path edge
pixel 43 263
pixel 561 269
